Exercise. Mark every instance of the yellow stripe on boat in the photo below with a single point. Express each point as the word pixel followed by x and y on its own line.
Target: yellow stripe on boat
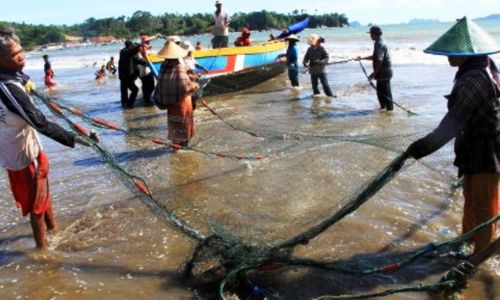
pixel 256 49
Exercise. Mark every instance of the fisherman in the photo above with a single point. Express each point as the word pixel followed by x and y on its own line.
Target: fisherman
pixel 220 26
pixel 173 92
pixel 110 65
pixel 189 61
pixel 21 151
pixel 191 65
pixel 382 69
pixel 145 74
pixel 473 119
pixel 292 60
pixel 49 73
pixel 316 59
pixel 243 39
pixel 128 73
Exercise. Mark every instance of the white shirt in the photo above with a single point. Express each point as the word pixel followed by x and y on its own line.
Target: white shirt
pixel 20 141
pixel 220 21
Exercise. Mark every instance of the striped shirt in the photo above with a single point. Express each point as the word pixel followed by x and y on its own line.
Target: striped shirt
pixel 473 119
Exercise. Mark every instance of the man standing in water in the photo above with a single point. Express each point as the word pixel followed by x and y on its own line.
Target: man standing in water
pixel 220 27
pixel 473 119
pixel 128 73
pixel 21 151
pixel 382 69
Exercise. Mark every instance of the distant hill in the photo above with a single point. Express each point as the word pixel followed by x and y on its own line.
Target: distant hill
pixel 422 21
pixel 490 17
pixel 355 24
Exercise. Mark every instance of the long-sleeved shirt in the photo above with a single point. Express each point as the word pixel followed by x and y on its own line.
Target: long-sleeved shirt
pixel 127 63
pixel 473 119
pixel 292 55
pixel 316 58
pixel 19 121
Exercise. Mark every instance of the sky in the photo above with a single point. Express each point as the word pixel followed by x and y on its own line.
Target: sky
pixel 71 12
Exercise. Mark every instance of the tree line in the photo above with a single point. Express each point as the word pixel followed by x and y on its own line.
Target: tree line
pixel 143 22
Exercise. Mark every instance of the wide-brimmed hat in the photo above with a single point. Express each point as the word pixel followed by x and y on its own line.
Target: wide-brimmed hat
pixel 292 37
pixel 172 51
pixel 146 38
pixel 311 40
pixel 465 38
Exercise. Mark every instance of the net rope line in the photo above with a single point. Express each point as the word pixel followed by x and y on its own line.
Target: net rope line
pixel 58 106
pixel 449 285
pixel 336 217
pixel 158 208
pixel 235 246
pixel 410 113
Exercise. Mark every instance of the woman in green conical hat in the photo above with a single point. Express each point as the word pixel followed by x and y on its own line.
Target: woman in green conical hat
pixel 473 120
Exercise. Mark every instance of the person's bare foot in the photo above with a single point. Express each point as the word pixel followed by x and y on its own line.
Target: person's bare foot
pixel 53 230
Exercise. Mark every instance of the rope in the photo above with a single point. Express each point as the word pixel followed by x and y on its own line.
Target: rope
pixel 448 285
pixel 420 288
pixel 373 187
pixel 147 198
pixel 306 69
pixel 57 106
pixel 373 86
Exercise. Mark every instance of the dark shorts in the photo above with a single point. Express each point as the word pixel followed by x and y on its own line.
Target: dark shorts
pixel 220 41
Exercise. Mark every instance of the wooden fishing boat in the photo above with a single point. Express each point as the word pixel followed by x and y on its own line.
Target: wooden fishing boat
pixel 235 68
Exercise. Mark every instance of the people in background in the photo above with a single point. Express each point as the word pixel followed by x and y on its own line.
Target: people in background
pixel 243 39
pixel 49 73
pixel 99 74
pixel 128 73
pixel 145 74
pixel 191 67
pixel 382 68
pixel 21 152
pixel 473 120
pixel 173 92
pixel 198 46
pixel 292 60
pixel 189 61
pixel 316 59
pixel 220 27
pixel 110 65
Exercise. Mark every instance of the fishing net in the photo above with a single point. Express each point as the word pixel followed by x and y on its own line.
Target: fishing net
pixel 273 176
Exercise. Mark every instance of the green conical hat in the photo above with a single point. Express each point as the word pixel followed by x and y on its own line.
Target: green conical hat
pixel 465 38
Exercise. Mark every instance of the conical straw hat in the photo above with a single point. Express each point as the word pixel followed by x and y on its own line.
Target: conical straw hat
pixel 465 38
pixel 172 51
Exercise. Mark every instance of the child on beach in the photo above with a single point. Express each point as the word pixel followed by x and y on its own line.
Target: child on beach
pixel 49 74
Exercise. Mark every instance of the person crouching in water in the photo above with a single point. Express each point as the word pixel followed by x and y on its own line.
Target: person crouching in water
pixel 99 74
pixel 316 59
pixel 173 92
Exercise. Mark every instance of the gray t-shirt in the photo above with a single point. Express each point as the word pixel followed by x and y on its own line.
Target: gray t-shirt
pixel 381 54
